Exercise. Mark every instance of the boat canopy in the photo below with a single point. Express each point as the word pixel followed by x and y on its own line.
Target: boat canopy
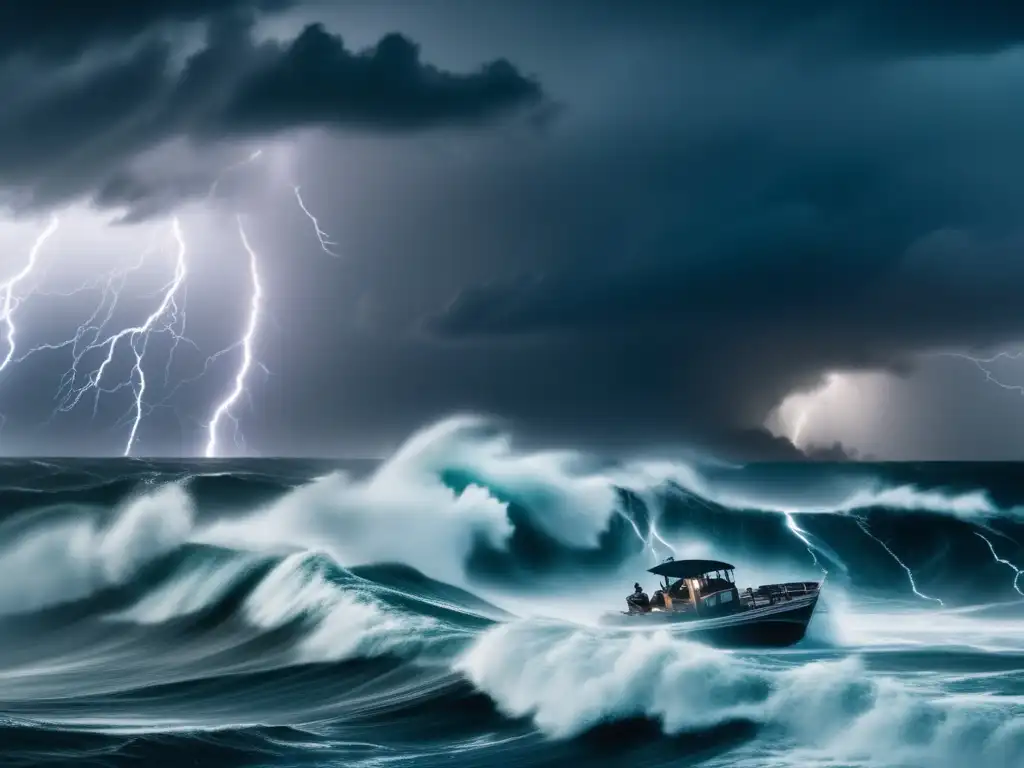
pixel 689 569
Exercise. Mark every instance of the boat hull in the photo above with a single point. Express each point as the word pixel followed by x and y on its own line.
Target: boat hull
pixel 772 626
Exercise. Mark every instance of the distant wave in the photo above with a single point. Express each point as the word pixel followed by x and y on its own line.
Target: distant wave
pixel 460 504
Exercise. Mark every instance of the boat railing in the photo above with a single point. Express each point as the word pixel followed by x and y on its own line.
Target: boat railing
pixel 769 594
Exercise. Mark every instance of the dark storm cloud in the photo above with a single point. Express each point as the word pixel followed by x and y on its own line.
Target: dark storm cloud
pixel 146 196
pixel 714 338
pixel 799 219
pixel 316 81
pixel 834 284
pixel 61 29
pixel 69 135
pixel 742 196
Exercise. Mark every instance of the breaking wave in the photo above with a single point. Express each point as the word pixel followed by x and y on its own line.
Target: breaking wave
pixel 569 681
pixel 271 611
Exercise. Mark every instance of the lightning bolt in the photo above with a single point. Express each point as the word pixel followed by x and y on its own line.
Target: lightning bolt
pixel 10 302
pixel 799 424
pixel 983 363
pixel 92 342
pixel 252 158
pixel 653 536
pixel 224 408
pixel 1007 563
pixel 653 532
pixel 326 243
pixel 801 534
pixel 140 335
pixel 167 317
pixel 910 574
pixel 321 236
pixel 807 404
pixel 136 338
pixel 246 342
pixel 111 293
pixel 644 540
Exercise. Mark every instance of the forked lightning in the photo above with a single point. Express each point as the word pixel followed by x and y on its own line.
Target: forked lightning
pixel 168 317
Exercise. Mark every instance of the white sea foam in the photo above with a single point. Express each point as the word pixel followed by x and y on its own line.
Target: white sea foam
pixel 194 588
pixel 569 679
pixel 345 622
pixel 403 512
pixel 61 560
pixel 406 512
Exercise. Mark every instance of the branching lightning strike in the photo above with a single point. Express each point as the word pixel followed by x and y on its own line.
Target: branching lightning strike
pixel 653 536
pixel 325 240
pixel 326 243
pixel 10 302
pixel 167 318
pixel 983 364
pixel 164 318
pixel 223 410
pixel 645 541
pixel 1016 571
pixel 801 534
pixel 910 574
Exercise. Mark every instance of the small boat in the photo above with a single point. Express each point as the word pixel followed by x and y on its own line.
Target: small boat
pixel 704 602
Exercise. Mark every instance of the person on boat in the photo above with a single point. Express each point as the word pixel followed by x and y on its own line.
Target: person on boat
pixel 638 599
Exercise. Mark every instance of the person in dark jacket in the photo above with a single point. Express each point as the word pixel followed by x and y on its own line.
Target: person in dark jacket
pixel 638 599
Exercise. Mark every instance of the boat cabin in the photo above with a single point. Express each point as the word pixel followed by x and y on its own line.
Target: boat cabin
pixel 705 587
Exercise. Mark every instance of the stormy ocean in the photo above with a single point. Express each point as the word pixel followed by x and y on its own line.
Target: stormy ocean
pixel 443 607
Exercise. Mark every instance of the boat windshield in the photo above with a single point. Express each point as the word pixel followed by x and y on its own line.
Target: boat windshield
pixel 715 581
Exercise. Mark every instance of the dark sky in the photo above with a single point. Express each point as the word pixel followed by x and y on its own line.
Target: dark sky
pixel 621 226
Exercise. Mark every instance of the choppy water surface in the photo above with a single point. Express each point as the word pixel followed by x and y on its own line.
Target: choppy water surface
pixel 443 608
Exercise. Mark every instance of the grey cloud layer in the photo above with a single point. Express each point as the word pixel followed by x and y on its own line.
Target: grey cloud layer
pixel 63 29
pixel 741 195
pixel 74 131
pixel 851 214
